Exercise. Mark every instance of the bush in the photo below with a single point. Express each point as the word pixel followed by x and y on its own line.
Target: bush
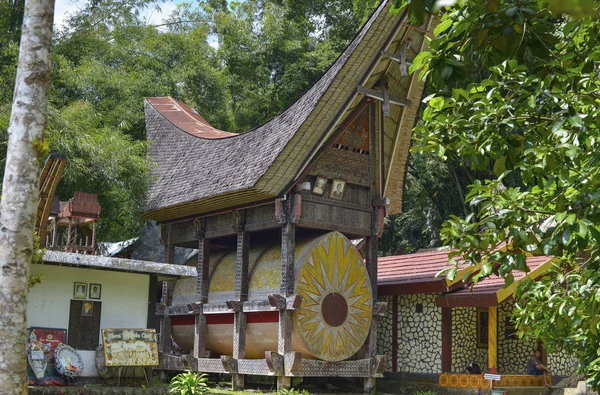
pixel 189 383
pixel 292 391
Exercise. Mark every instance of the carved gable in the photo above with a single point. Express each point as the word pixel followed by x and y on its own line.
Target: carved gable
pixel 347 156
pixel 354 135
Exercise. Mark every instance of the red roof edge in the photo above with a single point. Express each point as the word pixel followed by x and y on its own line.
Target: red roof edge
pixel 186 118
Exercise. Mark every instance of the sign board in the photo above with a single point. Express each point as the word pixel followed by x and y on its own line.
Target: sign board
pixel 130 347
pixel 490 376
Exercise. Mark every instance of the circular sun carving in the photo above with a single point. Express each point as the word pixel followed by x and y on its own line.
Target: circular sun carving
pixel 334 318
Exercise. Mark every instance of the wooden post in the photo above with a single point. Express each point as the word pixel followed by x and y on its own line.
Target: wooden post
pixel 395 333
pixel 372 243
pixel 288 246
pixel 200 325
pixel 446 339
pixel 93 236
pixel 68 245
pixel 492 337
pixel 167 291
pixel 241 293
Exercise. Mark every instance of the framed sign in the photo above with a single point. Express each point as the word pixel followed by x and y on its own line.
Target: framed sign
pixel 337 189
pixel 130 347
pixel 95 291
pixel 79 290
pixel 320 184
pixel 87 308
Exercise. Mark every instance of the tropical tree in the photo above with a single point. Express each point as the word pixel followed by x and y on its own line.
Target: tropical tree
pixel 19 189
pixel 517 95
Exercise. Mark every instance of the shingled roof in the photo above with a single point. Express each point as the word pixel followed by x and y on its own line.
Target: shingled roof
pixel 202 169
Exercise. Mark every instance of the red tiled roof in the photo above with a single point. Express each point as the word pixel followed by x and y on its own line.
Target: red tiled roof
pixel 416 273
pixel 186 118
pixel 410 268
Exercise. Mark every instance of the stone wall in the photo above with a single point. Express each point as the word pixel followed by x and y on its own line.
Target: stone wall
pixel 513 353
pixel 384 332
pixel 464 340
pixel 419 334
pixel 420 339
pixel 561 363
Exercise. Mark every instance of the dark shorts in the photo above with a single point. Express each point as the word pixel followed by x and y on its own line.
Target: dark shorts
pixel 534 372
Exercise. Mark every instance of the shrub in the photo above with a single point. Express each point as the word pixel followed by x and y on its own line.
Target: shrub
pixel 189 383
pixel 292 391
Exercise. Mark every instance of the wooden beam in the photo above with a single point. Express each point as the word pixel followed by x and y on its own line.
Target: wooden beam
pixel 167 292
pixel 395 58
pixel 492 337
pixel 288 245
pixel 241 293
pixel 446 339
pixel 415 28
pixel 379 95
pixel 200 323
pixel 372 243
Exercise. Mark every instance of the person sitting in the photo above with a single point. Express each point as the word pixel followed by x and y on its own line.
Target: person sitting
pixel 535 367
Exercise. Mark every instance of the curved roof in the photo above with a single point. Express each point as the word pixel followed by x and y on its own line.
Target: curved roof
pixel 202 169
pixel 186 118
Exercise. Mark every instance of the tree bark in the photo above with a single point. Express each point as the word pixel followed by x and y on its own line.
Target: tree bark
pixel 20 189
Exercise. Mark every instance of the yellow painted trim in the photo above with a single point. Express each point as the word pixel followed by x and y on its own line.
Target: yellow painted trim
pixel 503 293
pixel 492 337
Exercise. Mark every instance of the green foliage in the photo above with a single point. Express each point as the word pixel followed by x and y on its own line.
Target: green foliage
pixel 517 98
pixel 292 391
pixel 237 63
pixel 434 190
pixel 189 383
pixel 36 258
pixel 430 392
pixel 417 9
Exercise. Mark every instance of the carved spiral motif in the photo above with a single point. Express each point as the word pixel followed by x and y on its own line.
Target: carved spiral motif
pixel 334 318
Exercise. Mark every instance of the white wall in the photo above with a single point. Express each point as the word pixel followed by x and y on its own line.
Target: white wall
pixel 124 301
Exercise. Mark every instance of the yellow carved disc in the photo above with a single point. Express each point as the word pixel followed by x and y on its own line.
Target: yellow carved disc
pixel 334 318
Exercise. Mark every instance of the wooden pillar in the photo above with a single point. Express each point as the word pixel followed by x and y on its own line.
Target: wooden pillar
pixel 241 293
pixel 54 230
pixel 446 339
pixel 167 293
pixel 395 333
pixel 492 337
pixel 200 326
pixel 93 236
pixel 288 246
pixel 69 228
pixel 372 244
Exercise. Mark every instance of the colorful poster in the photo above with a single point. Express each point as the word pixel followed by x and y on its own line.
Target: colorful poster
pixel 130 347
pixel 46 340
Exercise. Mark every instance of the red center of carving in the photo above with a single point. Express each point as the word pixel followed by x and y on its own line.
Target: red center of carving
pixel 334 309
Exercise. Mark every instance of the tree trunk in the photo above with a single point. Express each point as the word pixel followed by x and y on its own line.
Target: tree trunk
pixel 20 189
